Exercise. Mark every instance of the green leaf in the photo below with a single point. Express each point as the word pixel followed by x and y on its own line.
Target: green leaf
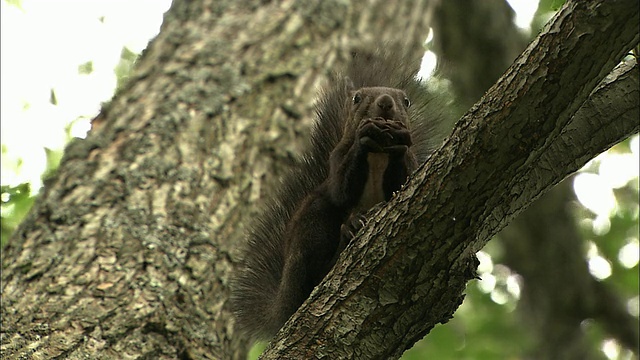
pixel 550 5
pixel 256 350
pixel 86 68
pixel 16 3
pixel 127 54
pixel 52 97
pixel 53 161
pixel 16 203
pixel 124 67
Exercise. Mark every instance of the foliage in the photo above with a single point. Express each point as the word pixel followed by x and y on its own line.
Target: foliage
pixel 124 67
pixel 18 199
pixel 16 3
pixel 480 329
pixel 16 202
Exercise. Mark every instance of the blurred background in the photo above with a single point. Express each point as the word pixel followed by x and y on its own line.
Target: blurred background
pixel 61 59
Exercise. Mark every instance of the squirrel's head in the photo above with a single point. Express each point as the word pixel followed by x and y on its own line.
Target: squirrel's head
pixel 377 102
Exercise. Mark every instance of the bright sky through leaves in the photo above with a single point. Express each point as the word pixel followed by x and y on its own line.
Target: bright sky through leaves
pixel 44 44
pixel 68 50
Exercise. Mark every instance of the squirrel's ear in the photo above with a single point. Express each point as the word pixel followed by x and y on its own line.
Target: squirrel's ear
pixel 348 84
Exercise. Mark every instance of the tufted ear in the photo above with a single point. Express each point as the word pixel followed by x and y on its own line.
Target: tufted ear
pixel 348 85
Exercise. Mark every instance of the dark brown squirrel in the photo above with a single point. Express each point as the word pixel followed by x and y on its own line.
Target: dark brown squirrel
pixel 368 138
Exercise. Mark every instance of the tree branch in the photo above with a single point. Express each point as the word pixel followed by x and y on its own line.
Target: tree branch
pixel 408 268
pixel 559 295
pixel 550 234
pixel 609 116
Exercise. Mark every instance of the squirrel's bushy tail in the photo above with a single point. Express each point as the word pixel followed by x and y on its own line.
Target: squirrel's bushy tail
pixel 254 296
pixel 255 287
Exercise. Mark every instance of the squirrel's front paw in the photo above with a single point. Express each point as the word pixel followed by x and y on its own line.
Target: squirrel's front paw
pixel 380 135
pixel 350 228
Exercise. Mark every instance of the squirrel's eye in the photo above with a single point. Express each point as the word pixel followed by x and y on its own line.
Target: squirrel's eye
pixel 407 102
pixel 357 98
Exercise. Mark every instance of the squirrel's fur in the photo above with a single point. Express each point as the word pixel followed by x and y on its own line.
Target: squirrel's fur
pixel 363 126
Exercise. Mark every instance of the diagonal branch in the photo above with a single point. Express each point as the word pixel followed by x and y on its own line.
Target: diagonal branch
pixel 407 270
pixel 548 235
pixel 609 115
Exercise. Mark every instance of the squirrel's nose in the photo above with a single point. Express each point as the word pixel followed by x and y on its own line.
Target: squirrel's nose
pixel 385 102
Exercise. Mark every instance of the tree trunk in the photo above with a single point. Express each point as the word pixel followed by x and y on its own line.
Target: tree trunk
pixel 128 251
pixel 475 41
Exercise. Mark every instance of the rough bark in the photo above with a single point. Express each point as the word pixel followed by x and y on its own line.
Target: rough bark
pixel 128 250
pixel 408 268
pixel 476 43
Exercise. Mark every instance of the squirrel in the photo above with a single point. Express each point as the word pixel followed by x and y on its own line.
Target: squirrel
pixel 373 127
